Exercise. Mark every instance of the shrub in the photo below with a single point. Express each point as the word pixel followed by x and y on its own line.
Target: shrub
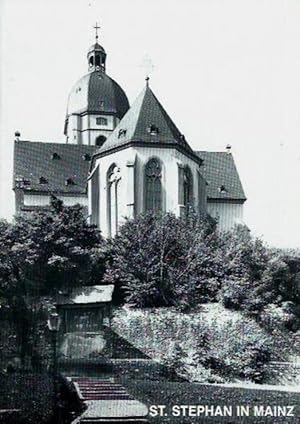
pixel 227 345
pixel 241 349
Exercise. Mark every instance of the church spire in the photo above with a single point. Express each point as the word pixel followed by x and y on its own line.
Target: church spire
pixel 96 54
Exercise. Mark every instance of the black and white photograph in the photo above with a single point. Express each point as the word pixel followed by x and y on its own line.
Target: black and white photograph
pixel 149 211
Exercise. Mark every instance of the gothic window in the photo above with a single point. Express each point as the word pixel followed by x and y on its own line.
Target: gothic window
pixel 153 187
pixel 187 186
pixel 113 180
pixel 95 204
pixel 100 140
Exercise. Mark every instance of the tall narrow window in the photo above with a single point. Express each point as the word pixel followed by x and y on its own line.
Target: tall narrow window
pixel 153 189
pixel 187 187
pixel 113 179
pixel 95 211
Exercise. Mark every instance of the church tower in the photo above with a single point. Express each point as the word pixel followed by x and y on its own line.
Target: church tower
pixel 96 103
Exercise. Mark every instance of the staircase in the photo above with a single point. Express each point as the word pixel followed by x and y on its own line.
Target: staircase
pixel 107 402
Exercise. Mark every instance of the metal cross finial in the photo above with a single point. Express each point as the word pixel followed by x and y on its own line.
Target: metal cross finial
pixel 148 66
pixel 96 27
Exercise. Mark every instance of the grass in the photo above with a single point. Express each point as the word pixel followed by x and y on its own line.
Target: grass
pixel 182 393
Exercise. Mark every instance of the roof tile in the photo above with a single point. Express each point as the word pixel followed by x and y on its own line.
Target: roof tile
pixel 33 160
pixel 219 170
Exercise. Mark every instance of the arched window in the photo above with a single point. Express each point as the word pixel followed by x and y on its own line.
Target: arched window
pixel 187 186
pixel 153 188
pixel 97 61
pixel 113 179
pixel 100 140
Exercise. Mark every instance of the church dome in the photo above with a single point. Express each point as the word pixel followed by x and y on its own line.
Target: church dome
pixel 96 102
pixel 96 92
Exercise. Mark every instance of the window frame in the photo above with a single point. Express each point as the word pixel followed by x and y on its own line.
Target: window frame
pixel 156 191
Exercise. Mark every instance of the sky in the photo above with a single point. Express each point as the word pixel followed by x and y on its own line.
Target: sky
pixel 225 71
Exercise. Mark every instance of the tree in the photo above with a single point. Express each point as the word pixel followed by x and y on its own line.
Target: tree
pixel 42 253
pixel 55 248
pixel 162 260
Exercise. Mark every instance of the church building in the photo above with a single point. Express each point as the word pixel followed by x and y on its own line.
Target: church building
pixel 120 161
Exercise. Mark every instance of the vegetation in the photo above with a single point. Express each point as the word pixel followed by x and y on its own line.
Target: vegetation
pixel 40 254
pixel 168 261
pixel 155 261
pixel 31 396
pixel 209 344
pixel 165 261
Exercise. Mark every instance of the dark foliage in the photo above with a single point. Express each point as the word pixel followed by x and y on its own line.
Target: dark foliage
pixel 40 253
pixel 161 260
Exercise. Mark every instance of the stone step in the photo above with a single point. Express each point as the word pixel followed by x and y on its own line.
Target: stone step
pixel 112 397
pixel 91 390
pixel 108 402
pixel 115 421
pixel 96 393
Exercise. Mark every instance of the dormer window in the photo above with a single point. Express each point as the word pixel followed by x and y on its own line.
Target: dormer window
pixel 101 121
pixel 153 129
pixel 69 182
pixel 21 182
pixel 222 189
pixel 86 157
pixel 55 156
pixel 43 180
pixel 122 133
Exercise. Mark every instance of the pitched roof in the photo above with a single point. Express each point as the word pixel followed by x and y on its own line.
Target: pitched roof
pixel 221 174
pixel 36 169
pixel 87 295
pixel 33 160
pixel 140 123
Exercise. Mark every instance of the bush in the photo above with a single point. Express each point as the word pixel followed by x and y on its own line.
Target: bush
pixel 216 345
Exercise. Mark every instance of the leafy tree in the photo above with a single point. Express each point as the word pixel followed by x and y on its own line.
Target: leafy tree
pixel 162 260
pixel 41 253
pixel 52 249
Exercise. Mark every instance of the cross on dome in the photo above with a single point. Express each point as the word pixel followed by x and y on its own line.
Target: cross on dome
pixel 96 27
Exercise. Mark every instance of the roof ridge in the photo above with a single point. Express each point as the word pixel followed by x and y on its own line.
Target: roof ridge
pixel 47 143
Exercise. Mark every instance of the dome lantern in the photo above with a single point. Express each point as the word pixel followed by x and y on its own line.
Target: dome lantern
pixel 96 55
